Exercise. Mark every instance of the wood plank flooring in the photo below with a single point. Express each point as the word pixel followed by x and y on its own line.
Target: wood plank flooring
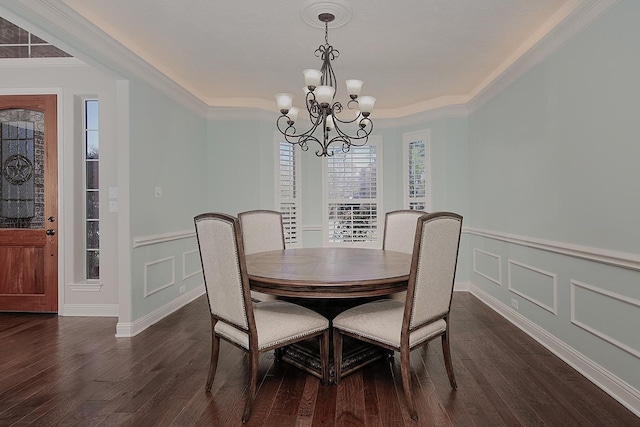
pixel 72 371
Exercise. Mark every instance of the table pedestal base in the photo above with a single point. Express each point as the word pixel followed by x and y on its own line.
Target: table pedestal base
pixel 355 354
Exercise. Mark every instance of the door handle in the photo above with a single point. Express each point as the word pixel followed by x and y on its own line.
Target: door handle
pixel 51 232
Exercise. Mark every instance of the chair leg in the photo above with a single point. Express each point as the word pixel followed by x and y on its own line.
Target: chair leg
pixel 215 350
pixel 324 356
pixel 405 369
pixel 337 355
pixel 253 380
pixel 446 350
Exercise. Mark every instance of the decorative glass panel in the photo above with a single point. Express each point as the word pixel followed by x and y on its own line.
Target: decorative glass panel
pixel 93 205
pixel 22 173
pixel 93 235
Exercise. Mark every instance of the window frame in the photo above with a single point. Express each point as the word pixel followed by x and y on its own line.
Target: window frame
pixel 376 141
pixel 85 160
pixel 407 139
pixel 295 240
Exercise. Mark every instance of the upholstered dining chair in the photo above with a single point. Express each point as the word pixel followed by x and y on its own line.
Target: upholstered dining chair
pixel 254 327
pixel 262 231
pixel 404 326
pixel 399 234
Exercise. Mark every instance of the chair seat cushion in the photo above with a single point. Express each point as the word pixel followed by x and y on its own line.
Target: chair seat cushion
pixel 276 322
pixel 382 321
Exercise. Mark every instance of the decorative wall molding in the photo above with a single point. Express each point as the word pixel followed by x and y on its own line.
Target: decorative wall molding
pixel 553 308
pixel 185 274
pixel 615 386
pixel 85 287
pixel 603 256
pixel 154 239
pixel 133 328
pixel 497 281
pixel 90 310
pixel 625 299
pixel 171 282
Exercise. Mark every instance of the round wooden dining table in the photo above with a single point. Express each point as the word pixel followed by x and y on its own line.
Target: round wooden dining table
pixel 328 272
pixel 329 280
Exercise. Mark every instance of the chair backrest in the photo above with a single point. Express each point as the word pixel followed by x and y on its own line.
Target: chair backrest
pixel 262 231
pixel 224 269
pixel 433 267
pixel 400 230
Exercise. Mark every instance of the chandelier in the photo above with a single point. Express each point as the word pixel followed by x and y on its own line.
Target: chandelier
pixel 320 90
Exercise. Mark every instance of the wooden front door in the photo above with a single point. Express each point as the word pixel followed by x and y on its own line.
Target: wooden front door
pixel 28 203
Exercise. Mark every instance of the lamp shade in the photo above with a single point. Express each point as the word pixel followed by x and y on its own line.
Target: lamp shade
pixel 312 77
pixel 284 101
pixel 324 94
pixel 293 114
pixel 330 124
pixel 354 87
pixel 366 104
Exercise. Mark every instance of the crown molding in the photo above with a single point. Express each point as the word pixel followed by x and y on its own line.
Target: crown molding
pixel 67 29
pixel 561 27
pixel 62 26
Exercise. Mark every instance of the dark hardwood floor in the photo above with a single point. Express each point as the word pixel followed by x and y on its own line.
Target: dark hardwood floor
pixel 73 371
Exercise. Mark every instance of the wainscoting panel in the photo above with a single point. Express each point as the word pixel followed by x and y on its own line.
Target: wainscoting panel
pixel 158 275
pixel 612 317
pixel 533 284
pixel 487 265
pixel 191 265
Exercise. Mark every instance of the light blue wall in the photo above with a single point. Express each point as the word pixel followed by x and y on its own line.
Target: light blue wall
pixel 167 149
pixel 554 158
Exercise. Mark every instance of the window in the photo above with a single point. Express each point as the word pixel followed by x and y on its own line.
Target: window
pixel 92 189
pixel 353 196
pixel 18 43
pixel 417 180
pixel 288 191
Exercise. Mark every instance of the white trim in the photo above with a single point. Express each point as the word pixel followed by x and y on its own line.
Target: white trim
pixel 312 228
pixel 91 310
pixel 553 309
pixel 171 282
pixel 85 287
pixel 615 386
pixel 131 329
pixel 154 239
pixel 186 275
pixel 497 281
pixel 594 331
pixel 42 62
pixel 604 256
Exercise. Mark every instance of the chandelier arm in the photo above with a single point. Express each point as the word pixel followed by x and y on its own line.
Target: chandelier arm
pixel 326 115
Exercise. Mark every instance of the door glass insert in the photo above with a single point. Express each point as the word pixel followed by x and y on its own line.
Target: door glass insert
pixel 22 173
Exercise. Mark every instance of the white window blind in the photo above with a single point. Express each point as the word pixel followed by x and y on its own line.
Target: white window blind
pixel 353 195
pixel 288 200
pixel 416 171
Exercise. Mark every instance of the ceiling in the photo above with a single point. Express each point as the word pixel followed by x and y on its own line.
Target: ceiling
pixel 409 53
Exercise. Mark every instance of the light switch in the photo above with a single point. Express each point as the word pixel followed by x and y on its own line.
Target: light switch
pixel 113 206
pixel 113 192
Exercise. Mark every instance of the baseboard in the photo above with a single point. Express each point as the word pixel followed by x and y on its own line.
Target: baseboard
pixel 610 383
pixel 90 310
pixel 125 330
pixel 461 286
